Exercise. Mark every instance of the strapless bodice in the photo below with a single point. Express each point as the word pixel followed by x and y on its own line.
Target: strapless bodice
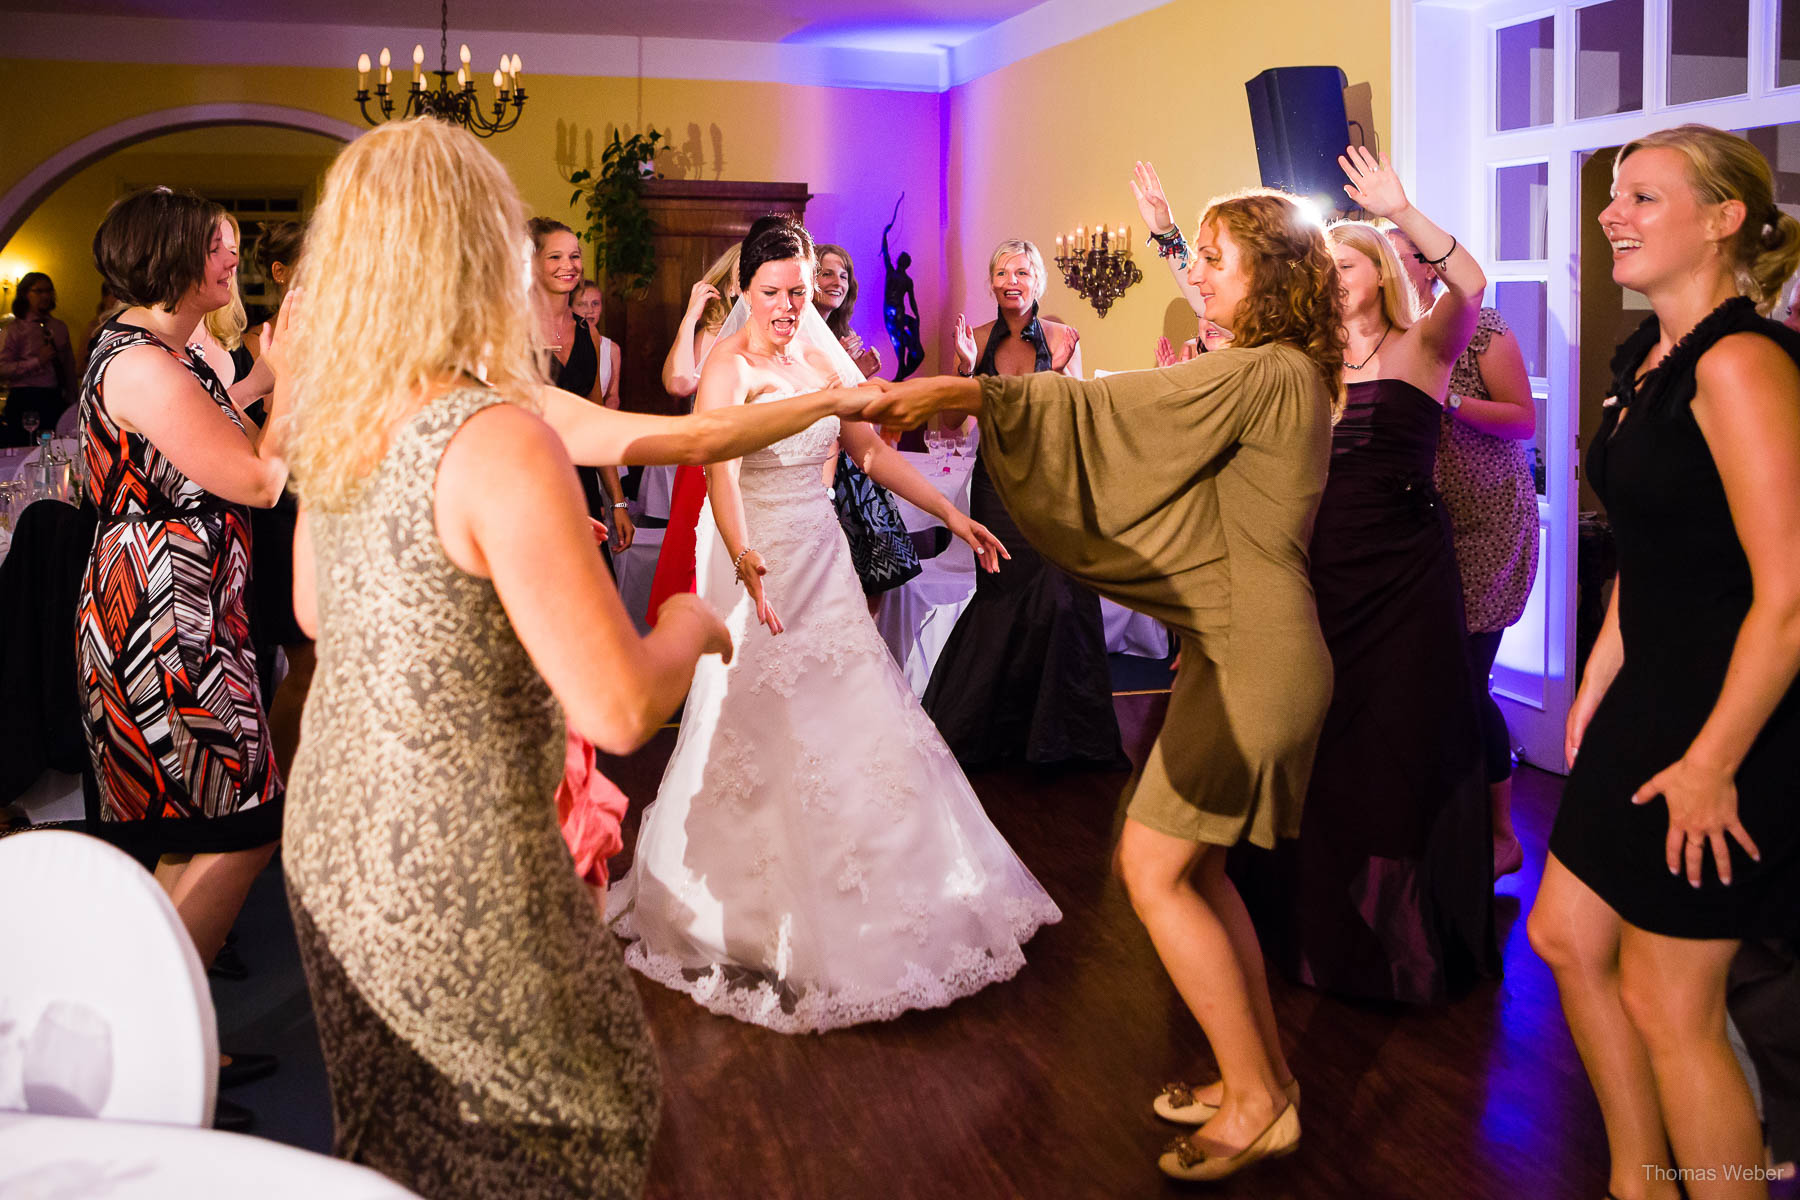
pixel 808 448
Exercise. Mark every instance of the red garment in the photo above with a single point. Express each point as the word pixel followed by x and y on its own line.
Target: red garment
pixel 589 808
pixel 675 565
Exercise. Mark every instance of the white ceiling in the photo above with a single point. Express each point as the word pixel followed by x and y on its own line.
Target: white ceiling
pixel 873 24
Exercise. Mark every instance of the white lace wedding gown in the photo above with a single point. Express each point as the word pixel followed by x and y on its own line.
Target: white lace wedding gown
pixel 814 857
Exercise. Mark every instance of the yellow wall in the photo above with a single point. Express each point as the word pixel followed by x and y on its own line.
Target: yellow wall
pixel 1026 151
pixel 835 140
pixel 1049 142
pixel 58 236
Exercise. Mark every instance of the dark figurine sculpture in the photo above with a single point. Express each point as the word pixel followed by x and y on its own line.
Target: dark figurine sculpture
pixel 903 330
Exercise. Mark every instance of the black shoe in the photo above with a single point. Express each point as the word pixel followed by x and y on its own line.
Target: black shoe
pixel 233 1118
pixel 246 1068
pixel 228 964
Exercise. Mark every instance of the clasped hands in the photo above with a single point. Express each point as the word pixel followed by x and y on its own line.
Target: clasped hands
pixel 904 405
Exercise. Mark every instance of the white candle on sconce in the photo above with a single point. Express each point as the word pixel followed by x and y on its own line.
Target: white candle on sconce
pixel 500 84
pixel 362 72
pixel 462 77
pixel 418 66
pixel 463 54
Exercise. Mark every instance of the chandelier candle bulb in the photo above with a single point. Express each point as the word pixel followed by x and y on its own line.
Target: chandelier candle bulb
pixel 464 54
pixel 387 60
pixel 362 72
pixel 499 85
pixel 462 77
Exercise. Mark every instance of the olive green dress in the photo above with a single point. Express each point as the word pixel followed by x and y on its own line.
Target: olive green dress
pixel 1188 494
pixel 480 1031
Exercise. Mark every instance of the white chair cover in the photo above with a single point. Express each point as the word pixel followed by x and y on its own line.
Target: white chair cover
pixel 104 1007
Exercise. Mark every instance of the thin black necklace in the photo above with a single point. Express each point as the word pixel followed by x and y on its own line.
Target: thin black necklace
pixel 1365 362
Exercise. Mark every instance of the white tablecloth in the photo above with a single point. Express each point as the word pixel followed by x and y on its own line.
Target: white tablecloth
pixel 634 569
pixel 656 488
pixel 67 1158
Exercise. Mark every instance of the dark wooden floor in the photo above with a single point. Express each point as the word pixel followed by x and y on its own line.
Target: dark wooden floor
pixel 1040 1087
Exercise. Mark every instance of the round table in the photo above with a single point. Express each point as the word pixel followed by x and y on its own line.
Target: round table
pixel 121 1160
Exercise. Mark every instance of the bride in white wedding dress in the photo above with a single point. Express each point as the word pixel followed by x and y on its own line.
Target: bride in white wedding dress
pixel 814 857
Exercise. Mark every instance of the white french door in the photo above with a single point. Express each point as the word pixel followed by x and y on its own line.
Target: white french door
pixel 1497 104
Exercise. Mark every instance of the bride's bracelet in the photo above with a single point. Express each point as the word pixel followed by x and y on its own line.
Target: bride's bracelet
pixel 737 564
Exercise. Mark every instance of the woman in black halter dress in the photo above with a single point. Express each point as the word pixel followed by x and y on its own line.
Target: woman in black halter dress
pixel 1024 676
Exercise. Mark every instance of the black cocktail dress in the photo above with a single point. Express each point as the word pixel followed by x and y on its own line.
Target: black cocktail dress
pixel 1685 588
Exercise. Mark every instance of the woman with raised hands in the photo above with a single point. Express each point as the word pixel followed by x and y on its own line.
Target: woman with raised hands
pixel 1188 494
pixel 1388 892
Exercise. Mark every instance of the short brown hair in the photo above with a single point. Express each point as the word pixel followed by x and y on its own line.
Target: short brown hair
pixel 152 245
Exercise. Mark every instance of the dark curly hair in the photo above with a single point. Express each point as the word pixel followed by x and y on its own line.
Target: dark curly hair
pixel 774 238
pixel 1293 292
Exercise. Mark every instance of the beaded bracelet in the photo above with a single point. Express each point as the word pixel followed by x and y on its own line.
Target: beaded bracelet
pixel 736 563
pixel 1170 245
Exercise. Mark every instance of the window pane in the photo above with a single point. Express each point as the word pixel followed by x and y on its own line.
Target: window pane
pixel 1526 306
pixel 1788 69
pixel 1709 49
pixel 1609 58
pixel 1522 212
pixel 1524 74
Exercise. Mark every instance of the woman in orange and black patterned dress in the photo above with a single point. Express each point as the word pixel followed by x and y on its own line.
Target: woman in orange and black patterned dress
pixel 175 723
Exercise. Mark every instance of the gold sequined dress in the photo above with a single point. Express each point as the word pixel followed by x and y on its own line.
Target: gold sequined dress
pixel 481 1034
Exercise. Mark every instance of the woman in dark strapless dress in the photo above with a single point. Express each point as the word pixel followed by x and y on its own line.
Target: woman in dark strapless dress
pixel 1024 676
pixel 1679 830
pixel 1387 893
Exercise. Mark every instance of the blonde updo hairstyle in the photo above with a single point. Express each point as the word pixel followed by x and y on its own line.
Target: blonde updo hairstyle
pixel 1293 293
pixel 1765 250
pixel 1011 247
pixel 1398 304
pixel 417 272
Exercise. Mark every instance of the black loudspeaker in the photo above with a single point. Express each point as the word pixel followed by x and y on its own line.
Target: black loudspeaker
pixel 1297 115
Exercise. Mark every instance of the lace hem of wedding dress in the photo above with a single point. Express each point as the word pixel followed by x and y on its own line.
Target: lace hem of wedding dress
pixel 749 996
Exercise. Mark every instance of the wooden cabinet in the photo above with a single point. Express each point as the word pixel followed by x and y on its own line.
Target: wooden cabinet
pixel 696 221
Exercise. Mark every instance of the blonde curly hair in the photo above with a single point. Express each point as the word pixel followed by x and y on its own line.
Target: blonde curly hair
pixel 1293 293
pixel 416 270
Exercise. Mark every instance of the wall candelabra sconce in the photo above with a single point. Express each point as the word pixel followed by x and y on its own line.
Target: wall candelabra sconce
pixel 1096 264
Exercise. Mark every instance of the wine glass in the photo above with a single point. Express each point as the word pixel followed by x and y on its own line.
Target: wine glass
pixel 28 421
pixel 938 446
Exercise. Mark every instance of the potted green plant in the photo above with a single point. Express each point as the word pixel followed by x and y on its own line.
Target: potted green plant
pixel 618 225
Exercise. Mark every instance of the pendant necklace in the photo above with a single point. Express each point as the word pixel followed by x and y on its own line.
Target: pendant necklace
pixel 1365 362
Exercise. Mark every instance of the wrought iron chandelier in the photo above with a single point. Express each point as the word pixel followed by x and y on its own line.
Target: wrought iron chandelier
pixel 456 103
pixel 1097 264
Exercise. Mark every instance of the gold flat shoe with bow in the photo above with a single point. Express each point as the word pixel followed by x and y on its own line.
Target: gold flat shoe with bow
pixel 1185 1161
pixel 1180 1103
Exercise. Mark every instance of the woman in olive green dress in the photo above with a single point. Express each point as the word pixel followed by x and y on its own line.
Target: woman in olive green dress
pixel 1188 494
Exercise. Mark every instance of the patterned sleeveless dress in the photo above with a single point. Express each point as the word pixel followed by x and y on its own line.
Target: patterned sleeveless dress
pixel 480 1032
pixel 175 724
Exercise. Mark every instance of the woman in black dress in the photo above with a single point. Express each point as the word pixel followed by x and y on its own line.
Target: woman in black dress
pixel 1679 832
pixel 1024 676
pixel 1387 892
pixel 573 361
